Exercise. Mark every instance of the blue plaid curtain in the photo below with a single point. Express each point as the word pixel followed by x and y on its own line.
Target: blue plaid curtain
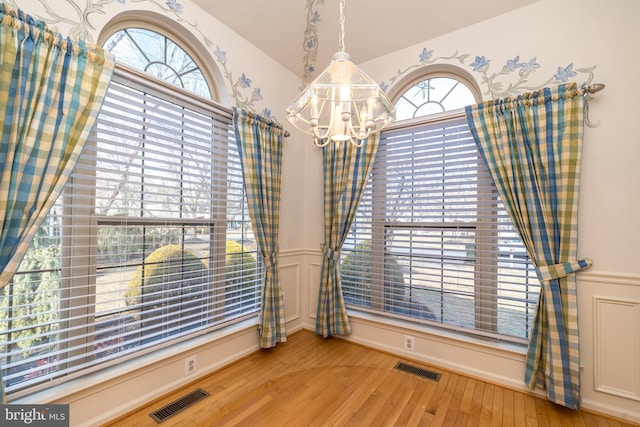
pixel 346 171
pixel 260 145
pixel 51 90
pixel 532 145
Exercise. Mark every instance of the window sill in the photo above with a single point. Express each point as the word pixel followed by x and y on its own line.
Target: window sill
pixel 101 379
pixel 441 334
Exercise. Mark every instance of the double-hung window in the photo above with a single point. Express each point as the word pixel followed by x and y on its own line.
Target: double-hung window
pixel 150 242
pixel 431 242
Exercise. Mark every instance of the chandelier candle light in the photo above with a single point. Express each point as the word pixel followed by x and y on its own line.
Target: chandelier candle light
pixel 342 103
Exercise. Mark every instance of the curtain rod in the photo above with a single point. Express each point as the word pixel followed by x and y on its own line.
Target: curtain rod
pixel 589 89
pixel 593 88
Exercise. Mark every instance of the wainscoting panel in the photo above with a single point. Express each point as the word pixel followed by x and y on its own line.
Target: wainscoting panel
pixel 617 355
pixel 290 282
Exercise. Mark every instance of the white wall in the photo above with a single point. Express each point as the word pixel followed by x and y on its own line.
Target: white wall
pixel 556 33
pixel 107 394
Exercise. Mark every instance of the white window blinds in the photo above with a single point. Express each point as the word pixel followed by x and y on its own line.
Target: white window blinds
pixel 432 242
pixel 150 242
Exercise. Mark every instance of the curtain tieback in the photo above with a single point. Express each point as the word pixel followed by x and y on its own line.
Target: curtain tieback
pixel 271 259
pixel 330 254
pixel 557 271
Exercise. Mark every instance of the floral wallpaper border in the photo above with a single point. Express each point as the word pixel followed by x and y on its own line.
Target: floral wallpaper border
pixel 496 83
pixel 311 41
pixel 511 78
pixel 244 94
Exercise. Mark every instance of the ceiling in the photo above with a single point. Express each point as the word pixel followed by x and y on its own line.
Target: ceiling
pixel 372 27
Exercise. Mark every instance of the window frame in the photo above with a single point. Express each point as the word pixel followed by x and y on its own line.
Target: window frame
pixel 89 222
pixel 486 241
pixel 433 71
pixel 483 241
pixel 189 44
pixel 78 278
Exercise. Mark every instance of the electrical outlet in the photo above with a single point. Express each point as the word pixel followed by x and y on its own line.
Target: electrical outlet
pixel 189 365
pixel 409 343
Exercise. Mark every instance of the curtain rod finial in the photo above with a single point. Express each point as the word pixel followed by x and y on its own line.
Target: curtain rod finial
pixel 594 87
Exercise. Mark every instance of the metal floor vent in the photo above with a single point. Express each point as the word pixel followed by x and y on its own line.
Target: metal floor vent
pixel 421 372
pixel 178 406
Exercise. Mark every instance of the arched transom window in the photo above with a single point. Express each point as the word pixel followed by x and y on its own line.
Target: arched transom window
pixel 159 56
pixel 433 95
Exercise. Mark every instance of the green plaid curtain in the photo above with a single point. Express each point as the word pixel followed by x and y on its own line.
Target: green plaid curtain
pixel 532 145
pixel 51 90
pixel 346 171
pixel 260 145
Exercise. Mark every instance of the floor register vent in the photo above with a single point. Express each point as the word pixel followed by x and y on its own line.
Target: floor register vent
pixel 178 406
pixel 421 372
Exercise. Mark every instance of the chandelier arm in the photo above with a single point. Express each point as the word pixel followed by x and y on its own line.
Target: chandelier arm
pixel 355 132
pixel 317 140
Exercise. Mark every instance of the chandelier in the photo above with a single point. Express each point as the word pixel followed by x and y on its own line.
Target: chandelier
pixel 342 103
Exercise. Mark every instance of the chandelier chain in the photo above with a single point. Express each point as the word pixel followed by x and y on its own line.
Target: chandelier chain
pixel 341 39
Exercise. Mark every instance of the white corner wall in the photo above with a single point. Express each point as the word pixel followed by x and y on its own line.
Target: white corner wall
pixel 591 38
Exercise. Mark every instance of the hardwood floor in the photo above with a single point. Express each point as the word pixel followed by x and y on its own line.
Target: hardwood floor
pixel 309 381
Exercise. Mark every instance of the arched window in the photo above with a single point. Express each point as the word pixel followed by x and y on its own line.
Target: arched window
pixel 434 94
pixel 156 54
pixel 431 242
pixel 150 242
